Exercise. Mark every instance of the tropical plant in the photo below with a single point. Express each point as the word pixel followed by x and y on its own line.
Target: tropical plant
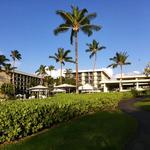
pixel 50 69
pixel 76 20
pixel 8 69
pixel 120 59
pixel 62 57
pixel 68 73
pixel 147 69
pixel 93 48
pixel 8 90
pixel 41 72
pixel 3 61
pixel 15 55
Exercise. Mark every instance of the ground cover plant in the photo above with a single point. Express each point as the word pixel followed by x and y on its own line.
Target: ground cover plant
pixel 22 118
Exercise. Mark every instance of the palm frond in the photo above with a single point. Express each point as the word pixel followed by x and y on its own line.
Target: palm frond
pixel 66 16
pixel 91 55
pixel 92 27
pixel 87 31
pixel 61 30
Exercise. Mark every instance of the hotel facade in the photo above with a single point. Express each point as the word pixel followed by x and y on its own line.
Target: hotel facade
pixel 22 81
pixel 102 81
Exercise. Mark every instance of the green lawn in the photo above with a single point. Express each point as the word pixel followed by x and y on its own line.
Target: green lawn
pixel 144 104
pixel 99 131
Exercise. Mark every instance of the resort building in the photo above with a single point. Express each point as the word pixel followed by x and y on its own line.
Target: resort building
pixel 93 78
pixel 128 82
pixel 22 81
pixel 101 80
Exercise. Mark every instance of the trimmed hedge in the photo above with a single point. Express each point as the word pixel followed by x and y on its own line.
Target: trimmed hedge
pixel 21 118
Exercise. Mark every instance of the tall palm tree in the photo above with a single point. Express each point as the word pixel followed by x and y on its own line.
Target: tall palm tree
pixel 15 55
pixel 62 57
pixel 75 21
pixel 94 48
pixel 3 61
pixel 41 72
pixel 50 69
pixel 119 60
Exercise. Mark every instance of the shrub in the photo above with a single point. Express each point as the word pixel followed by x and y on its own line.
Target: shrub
pixel 8 90
pixel 21 118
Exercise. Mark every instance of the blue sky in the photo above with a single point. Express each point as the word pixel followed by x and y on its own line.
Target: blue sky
pixel 27 25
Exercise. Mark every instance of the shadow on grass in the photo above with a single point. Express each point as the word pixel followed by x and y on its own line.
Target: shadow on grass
pixel 99 131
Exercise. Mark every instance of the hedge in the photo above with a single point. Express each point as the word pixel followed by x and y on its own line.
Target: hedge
pixel 22 118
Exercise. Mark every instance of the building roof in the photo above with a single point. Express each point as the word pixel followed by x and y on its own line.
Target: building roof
pixel 28 74
pixel 132 76
pixel 24 73
pixel 65 86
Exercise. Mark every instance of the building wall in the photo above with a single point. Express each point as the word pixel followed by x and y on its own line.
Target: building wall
pixel 21 81
pixel 91 77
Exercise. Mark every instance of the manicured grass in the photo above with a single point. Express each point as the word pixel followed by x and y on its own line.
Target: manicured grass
pixel 99 131
pixel 144 104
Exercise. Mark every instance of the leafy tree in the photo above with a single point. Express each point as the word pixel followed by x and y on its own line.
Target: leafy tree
pixel 68 73
pixel 3 61
pixel 41 72
pixel 75 21
pixel 147 69
pixel 62 57
pixel 8 90
pixel 49 82
pixel 93 49
pixel 120 59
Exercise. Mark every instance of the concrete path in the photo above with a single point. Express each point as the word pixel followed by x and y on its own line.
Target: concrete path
pixel 141 140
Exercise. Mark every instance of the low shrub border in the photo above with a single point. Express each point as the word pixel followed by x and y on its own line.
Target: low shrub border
pixel 22 118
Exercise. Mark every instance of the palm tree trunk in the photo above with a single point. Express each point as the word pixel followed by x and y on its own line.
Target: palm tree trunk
pixel 13 78
pixel 94 66
pixel 121 78
pixel 60 73
pixel 76 60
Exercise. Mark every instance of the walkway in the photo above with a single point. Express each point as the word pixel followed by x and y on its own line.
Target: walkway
pixel 141 140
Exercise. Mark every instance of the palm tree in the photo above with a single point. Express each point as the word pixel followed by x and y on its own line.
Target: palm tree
pixel 62 57
pixel 3 61
pixel 41 72
pixel 15 55
pixel 75 21
pixel 93 48
pixel 8 69
pixel 50 68
pixel 119 60
pixel 147 69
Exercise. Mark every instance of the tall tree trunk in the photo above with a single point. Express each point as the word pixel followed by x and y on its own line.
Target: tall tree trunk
pixel 120 88
pixel 60 73
pixel 94 66
pixel 13 78
pixel 76 60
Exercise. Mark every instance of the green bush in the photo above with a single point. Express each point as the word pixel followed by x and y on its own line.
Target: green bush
pixel 8 90
pixel 21 118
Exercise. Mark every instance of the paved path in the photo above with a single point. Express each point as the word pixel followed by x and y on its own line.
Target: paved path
pixel 141 140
